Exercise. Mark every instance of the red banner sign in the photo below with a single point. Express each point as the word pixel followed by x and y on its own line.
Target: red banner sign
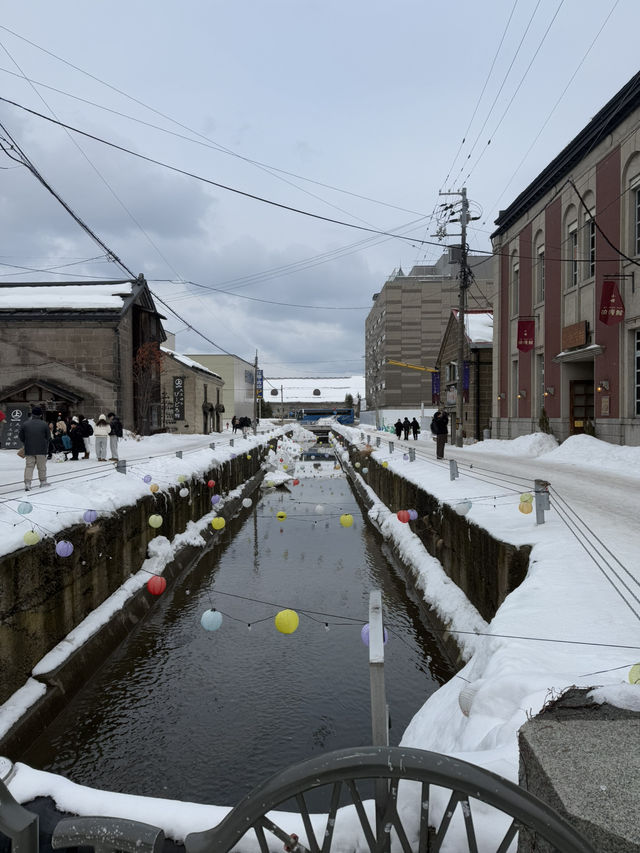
pixel 526 335
pixel 611 304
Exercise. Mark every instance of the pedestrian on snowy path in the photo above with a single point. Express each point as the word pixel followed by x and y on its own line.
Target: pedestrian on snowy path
pixel 406 426
pixel 116 433
pixel 34 434
pixel 440 428
pixel 101 431
pixel 77 441
pixel 415 428
pixel 398 428
pixel 86 431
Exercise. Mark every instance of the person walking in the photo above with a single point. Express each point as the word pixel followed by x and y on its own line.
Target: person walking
pixel 101 431
pixel 415 428
pixel 440 428
pixel 398 428
pixel 77 441
pixel 116 432
pixel 234 423
pixel 86 431
pixel 406 426
pixel 34 434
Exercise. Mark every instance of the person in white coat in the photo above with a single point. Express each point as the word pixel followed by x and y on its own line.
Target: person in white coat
pixel 101 431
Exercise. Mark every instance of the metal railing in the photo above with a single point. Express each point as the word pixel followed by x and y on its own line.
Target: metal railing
pixel 441 805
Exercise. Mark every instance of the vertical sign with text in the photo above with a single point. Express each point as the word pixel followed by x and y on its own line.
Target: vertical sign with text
pixel 178 398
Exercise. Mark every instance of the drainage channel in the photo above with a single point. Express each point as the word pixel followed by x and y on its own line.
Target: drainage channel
pixel 202 716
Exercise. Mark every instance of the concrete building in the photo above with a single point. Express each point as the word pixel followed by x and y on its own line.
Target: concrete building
pixel 568 303
pixel 71 347
pixel 238 377
pixel 191 395
pixel 476 377
pixel 407 323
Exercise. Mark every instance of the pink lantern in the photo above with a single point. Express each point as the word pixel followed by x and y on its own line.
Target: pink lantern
pixel 211 483
pixel 156 585
pixel 403 516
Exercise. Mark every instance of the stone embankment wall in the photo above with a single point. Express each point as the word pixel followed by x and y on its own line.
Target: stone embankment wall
pixel 43 596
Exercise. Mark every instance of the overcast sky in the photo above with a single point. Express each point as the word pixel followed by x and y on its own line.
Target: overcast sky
pixel 349 109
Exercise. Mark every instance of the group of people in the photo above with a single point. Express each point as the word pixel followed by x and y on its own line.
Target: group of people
pixel 439 428
pixel 243 423
pixel 407 426
pixel 67 436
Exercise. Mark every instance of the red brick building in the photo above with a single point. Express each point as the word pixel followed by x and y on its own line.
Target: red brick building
pixel 567 309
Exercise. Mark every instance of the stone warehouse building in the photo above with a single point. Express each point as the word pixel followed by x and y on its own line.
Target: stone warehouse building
pixel 191 394
pixel 567 313
pixel 71 346
pixel 407 322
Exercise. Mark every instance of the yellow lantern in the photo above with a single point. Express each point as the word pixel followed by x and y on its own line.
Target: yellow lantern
pixel 346 520
pixel 287 621
pixel 154 488
pixel 634 674
pixel 281 515
pixel 525 507
pixel 181 478
pixel 218 522
pixel 155 521
pixel 31 537
pixel 526 498
pixel 385 464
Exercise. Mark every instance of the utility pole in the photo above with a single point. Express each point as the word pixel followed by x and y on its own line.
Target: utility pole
pixel 462 296
pixel 255 394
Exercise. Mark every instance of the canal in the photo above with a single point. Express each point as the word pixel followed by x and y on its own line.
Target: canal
pixel 203 716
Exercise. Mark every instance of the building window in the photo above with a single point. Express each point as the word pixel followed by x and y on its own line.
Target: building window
pixel 636 221
pixel 515 289
pixel 572 255
pixel 637 371
pixel 452 371
pixel 540 276
pixel 590 233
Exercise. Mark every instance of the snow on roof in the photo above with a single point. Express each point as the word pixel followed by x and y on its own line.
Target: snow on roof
pixel 299 389
pixel 478 326
pixel 189 362
pixel 77 298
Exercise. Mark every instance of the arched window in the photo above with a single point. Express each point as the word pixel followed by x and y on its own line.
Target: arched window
pixel 538 266
pixel 570 247
pixel 631 210
pixel 515 284
pixel 588 249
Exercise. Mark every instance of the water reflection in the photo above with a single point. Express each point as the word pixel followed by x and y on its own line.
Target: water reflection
pixel 183 713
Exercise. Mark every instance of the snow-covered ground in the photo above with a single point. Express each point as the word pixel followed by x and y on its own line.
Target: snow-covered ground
pixel 575 620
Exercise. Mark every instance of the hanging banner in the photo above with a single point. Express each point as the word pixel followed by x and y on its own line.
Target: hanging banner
pixel 178 398
pixel 435 387
pixel 611 304
pixel 526 335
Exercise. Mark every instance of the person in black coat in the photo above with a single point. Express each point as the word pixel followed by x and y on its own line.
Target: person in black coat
pixel 77 441
pixel 114 435
pixel 86 431
pixel 415 428
pixel 35 436
pixel 440 428
pixel 406 426
pixel 398 427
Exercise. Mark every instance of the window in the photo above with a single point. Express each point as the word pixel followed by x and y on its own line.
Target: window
pixel 540 276
pixel 572 254
pixel 590 246
pixel 515 288
pixel 452 371
pixel 636 221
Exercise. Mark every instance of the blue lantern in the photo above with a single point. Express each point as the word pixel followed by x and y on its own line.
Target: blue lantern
pixel 211 620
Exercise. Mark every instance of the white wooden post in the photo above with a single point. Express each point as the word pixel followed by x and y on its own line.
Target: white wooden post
pixel 379 711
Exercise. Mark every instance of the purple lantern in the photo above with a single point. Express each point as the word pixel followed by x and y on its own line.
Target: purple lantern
pixel 90 515
pixel 405 456
pixel 215 499
pixel 364 634
pixel 64 548
pixel 147 478
pixel 413 515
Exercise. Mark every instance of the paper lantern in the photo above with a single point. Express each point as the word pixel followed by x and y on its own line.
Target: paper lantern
pixel 346 520
pixel 90 515
pixel 463 507
pixel 24 508
pixel 365 470
pixel 282 460
pixel 357 464
pixel 405 456
pixel 467 695
pixel 154 488
pixel 181 478
pixel 281 515
pixel 211 483
pixel 364 634
pixel 246 502
pixel 403 516
pixel 155 521
pixel 526 498
pixel 156 585
pixel 287 621
pixel 215 499
pixel 184 493
pixel 248 456
pixel 211 620
pixel 147 478
pixel 385 464
pixel 319 509
pixel 525 507
pixel 284 467
pixel 296 483
pixel 270 484
pixel 64 548
pixel 31 538
pixel 218 522
pixel 634 674
pixel 413 515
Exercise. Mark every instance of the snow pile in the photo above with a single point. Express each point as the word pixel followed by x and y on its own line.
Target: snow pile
pixel 525 445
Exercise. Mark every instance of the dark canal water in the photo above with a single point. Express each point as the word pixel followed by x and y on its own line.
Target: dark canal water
pixel 201 716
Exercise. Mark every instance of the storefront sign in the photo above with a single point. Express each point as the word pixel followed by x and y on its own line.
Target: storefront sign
pixel 435 387
pixel 259 384
pixel 526 335
pixel 611 304
pixel 574 335
pixel 16 416
pixel 178 398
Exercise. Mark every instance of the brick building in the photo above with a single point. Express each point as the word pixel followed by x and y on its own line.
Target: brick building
pixel 70 347
pixel 477 373
pixel 407 322
pixel 568 302
pixel 191 395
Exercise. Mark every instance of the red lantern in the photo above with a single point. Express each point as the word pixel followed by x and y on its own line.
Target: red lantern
pixel 403 516
pixel 211 483
pixel 156 585
pixel 296 482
